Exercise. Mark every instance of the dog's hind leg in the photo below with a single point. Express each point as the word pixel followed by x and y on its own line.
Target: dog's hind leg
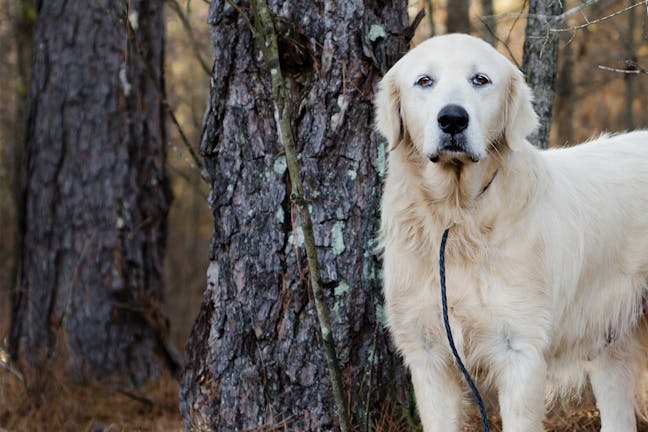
pixel 612 376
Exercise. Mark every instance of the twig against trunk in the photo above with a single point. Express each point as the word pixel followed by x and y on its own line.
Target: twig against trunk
pixel 265 34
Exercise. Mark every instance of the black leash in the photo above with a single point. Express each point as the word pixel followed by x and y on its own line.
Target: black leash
pixel 446 322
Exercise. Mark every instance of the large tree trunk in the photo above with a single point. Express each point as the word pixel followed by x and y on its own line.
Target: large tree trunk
pixel 630 64
pixel 429 12
pixel 255 355
pixel 540 62
pixel 17 44
pixel 489 23
pixel 96 192
pixel 24 35
pixel 565 98
pixel 458 16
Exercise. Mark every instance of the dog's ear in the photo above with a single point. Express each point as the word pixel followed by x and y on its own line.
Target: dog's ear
pixel 521 119
pixel 387 107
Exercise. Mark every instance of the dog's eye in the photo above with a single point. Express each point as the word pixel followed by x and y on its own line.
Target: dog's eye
pixel 424 81
pixel 480 80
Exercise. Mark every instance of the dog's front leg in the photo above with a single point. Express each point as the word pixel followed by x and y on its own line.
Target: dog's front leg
pixel 438 394
pixel 613 381
pixel 521 389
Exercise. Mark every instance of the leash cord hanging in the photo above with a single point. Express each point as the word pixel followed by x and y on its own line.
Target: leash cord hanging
pixel 446 322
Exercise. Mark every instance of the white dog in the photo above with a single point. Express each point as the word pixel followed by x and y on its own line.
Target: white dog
pixel 547 256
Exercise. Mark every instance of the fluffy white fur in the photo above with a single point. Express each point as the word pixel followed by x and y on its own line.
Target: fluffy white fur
pixel 546 269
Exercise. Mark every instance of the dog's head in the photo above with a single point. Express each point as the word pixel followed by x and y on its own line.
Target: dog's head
pixel 454 97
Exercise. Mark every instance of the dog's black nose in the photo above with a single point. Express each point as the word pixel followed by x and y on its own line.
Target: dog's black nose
pixel 453 119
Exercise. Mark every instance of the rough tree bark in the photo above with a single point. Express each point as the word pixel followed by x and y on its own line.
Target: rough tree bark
pixel 96 193
pixel 458 16
pixel 540 62
pixel 254 354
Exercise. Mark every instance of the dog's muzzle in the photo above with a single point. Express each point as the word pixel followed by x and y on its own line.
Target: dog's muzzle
pixel 453 121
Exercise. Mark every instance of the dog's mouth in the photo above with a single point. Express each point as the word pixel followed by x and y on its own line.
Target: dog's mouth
pixel 455 150
pixel 454 146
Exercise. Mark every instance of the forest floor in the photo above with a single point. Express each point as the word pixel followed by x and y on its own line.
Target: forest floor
pixel 61 406
pixel 583 417
pixel 67 407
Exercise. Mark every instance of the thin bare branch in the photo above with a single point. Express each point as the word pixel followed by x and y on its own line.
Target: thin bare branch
pixel 408 34
pixel 562 16
pixel 189 179
pixel 605 18
pixel 498 39
pixel 578 8
pixel 624 71
pixel 195 162
pixel 192 39
pixel 510 32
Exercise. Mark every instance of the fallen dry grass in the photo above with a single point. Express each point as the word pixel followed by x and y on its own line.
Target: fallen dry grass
pixel 48 402
pixel 582 418
pixel 60 405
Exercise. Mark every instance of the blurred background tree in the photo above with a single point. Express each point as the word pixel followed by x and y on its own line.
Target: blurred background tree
pixel 16 34
pixel 95 194
pixel 458 17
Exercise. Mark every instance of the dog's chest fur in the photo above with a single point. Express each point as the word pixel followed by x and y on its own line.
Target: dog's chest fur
pixel 488 314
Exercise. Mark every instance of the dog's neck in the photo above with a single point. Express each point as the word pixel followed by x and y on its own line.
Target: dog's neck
pixel 458 185
pixel 421 199
pixel 473 196
pixel 490 182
